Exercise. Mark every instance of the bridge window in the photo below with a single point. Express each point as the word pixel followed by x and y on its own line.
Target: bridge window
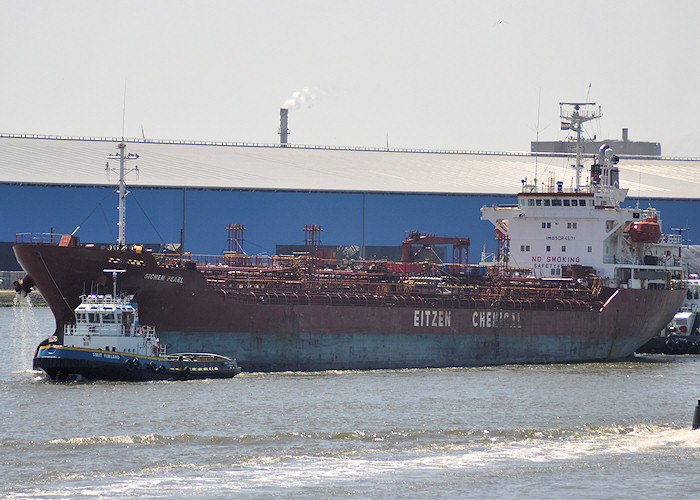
pixel 556 202
pixel 538 202
pixel 546 203
pixel 581 203
pixel 108 318
pixel 567 203
pixel 530 202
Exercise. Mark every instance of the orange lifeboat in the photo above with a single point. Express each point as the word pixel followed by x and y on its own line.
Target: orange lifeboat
pixel 501 229
pixel 647 231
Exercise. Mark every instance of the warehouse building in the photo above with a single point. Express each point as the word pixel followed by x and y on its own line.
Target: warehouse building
pixel 191 192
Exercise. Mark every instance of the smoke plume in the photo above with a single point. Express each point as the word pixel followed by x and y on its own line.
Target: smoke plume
pixel 303 97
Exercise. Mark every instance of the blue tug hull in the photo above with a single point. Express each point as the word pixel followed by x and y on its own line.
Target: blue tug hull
pixel 68 363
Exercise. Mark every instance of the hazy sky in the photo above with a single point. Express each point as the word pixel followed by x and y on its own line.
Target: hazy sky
pixel 440 74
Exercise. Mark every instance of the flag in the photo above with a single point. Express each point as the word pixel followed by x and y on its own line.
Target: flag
pixel 565 125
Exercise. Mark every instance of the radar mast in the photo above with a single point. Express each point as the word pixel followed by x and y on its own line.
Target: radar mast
pixel 123 158
pixel 573 116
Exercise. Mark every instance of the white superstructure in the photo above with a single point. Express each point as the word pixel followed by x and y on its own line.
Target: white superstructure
pixel 585 227
pixel 110 323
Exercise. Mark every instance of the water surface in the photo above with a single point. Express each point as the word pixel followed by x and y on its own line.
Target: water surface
pixel 597 430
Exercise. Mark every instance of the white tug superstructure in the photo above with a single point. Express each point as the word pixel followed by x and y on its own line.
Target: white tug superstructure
pixel 583 231
pixel 110 323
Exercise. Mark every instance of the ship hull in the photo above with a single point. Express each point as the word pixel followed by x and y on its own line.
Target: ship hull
pixel 264 334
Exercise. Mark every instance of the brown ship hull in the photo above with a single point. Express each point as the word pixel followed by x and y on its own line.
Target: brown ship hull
pixel 336 331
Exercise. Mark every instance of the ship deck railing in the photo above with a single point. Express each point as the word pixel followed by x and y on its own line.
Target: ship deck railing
pixel 387 283
pixel 304 263
pixel 40 238
pixel 474 299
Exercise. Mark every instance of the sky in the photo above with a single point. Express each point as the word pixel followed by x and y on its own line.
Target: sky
pixel 446 75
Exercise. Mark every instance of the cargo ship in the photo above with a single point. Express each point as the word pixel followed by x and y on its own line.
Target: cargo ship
pixel 575 277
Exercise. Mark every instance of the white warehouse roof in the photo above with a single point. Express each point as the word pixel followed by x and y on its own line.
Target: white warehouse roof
pixel 50 160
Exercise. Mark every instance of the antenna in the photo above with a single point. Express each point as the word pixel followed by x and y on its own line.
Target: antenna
pixel 537 133
pixel 114 272
pixel 124 111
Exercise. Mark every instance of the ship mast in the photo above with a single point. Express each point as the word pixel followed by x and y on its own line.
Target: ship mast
pixel 123 158
pixel 572 114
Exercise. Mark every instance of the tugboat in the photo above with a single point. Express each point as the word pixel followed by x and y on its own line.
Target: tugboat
pixel 682 334
pixel 108 343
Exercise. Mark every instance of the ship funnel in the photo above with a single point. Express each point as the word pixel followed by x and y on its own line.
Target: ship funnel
pixel 284 131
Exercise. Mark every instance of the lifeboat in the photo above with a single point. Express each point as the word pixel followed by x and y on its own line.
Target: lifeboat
pixel 501 229
pixel 647 231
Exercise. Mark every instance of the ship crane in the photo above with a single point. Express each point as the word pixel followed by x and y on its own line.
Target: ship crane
pixel 428 241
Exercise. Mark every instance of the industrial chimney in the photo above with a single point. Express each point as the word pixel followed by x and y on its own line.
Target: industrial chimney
pixel 284 131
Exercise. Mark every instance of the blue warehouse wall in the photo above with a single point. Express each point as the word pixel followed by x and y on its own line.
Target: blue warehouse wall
pixel 274 218
pixel 271 218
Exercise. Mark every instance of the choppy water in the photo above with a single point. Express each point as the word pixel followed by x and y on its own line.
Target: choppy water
pixel 539 431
